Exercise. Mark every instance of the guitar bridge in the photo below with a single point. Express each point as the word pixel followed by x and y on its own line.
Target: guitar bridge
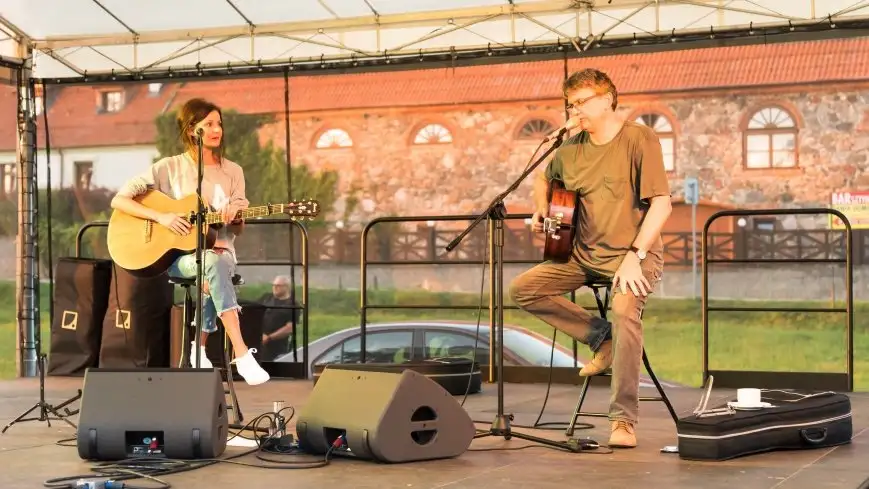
pixel 551 225
pixel 149 230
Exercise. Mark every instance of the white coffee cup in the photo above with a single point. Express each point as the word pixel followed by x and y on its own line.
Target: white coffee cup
pixel 748 397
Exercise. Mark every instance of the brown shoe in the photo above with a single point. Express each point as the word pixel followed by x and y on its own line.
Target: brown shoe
pixel 623 435
pixel 601 360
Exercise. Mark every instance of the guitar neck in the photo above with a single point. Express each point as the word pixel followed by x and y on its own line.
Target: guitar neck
pixel 249 213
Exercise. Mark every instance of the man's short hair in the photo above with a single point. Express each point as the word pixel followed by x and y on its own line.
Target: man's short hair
pixel 591 78
pixel 281 280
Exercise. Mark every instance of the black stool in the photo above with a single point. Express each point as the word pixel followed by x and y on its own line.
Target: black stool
pixel 185 361
pixel 602 307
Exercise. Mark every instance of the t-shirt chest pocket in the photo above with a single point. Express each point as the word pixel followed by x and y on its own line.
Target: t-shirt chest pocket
pixel 614 187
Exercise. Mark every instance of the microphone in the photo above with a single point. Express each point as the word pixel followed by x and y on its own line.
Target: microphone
pixel 198 131
pixel 571 123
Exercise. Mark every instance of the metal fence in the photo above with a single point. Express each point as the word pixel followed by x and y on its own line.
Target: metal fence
pixel 426 245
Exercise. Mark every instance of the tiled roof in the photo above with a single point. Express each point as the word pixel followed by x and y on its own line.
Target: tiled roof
pixel 75 122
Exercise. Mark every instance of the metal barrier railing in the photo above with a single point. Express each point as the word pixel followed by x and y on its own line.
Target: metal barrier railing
pixel 511 374
pixel 292 370
pixel 782 380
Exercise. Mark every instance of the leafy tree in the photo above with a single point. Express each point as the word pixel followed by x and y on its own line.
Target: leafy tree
pixel 265 166
pixel 70 210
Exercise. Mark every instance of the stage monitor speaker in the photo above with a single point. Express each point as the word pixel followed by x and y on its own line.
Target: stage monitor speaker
pixel 81 295
pixel 156 413
pixel 136 326
pixel 383 416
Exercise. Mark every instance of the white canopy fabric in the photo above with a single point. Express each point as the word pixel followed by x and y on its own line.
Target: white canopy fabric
pixel 72 37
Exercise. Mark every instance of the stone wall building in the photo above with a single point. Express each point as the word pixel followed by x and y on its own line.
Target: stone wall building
pixel 764 126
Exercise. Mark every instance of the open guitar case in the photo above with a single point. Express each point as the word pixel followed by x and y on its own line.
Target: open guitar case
pixel 794 421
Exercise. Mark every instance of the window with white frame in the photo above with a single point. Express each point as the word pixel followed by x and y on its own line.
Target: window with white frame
pixel 334 138
pixel 8 180
pixel 112 101
pixel 535 129
pixel 84 172
pixel 433 134
pixel 771 139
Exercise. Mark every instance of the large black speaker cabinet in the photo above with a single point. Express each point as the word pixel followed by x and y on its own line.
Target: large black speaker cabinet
pixel 386 417
pixel 174 413
pixel 81 294
pixel 136 326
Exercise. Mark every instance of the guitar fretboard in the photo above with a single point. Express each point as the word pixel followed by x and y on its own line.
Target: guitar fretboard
pixel 249 213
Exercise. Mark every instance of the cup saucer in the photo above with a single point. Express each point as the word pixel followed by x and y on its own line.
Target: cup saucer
pixel 748 407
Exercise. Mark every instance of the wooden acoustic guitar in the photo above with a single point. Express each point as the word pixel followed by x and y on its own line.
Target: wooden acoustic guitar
pixel 146 248
pixel 560 222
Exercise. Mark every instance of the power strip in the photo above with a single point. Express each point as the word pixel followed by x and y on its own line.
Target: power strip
pixel 283 443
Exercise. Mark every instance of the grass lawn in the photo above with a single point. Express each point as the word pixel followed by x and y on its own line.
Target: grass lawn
pixel 798 342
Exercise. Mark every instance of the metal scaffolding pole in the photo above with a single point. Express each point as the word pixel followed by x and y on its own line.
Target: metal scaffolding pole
pixel 27 249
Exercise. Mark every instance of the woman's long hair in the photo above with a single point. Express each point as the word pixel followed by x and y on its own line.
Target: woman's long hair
pixel 193 112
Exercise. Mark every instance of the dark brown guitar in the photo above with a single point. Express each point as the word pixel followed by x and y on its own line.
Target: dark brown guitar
pixel 560 222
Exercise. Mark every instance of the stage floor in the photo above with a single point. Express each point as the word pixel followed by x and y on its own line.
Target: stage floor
pixel 30 455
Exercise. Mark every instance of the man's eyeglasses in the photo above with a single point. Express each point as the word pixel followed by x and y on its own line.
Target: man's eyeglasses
pixel 579 103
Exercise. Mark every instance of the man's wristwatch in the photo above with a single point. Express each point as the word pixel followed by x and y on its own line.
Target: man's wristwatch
pixel 641 254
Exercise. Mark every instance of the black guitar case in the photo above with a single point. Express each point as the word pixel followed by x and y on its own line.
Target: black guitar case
pixel 796 420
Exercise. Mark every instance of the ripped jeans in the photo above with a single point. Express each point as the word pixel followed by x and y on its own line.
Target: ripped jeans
pixel 217 271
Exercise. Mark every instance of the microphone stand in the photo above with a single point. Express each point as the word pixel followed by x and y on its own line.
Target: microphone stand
pixel 496 212
pixel 200 245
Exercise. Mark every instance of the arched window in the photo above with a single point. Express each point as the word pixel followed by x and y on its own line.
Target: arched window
pixel 433 134
pixel 334 138
pixel 771 139
pixel 535 129
pixel 661 125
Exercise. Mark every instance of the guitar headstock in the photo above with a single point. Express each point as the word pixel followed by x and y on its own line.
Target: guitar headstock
pixel 299 209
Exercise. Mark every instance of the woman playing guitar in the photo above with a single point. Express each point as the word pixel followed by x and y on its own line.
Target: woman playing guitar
pixel 223 188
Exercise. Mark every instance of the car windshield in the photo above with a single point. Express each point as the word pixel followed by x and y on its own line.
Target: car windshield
pixel 534 350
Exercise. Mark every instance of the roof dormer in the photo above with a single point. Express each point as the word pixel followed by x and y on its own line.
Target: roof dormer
pixel 110 100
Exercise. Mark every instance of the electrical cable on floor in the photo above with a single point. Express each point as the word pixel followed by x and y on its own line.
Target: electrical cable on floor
pixel 114 474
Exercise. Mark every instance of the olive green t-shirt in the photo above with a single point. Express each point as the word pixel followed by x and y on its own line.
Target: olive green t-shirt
pixel 615 182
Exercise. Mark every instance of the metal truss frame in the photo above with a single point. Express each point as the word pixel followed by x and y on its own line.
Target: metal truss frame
pixel 583 27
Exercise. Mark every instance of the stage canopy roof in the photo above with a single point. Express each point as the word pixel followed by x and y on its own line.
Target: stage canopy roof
pixel 80 39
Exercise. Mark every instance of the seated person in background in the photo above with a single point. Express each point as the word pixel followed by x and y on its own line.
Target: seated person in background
pixel 222 189
pixel 278 322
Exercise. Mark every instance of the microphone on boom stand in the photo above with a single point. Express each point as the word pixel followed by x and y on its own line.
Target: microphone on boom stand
pixel 496 212
pixel 200 237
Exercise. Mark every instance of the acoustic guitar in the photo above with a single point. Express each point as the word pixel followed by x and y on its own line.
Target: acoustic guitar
pixel 146 248
pixel 560 223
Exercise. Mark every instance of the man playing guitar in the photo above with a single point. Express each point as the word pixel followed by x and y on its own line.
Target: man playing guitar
pixel 624 200
pixel 223 187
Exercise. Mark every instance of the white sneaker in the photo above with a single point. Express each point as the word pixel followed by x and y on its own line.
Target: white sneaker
pixel 204 362
pixel 248 368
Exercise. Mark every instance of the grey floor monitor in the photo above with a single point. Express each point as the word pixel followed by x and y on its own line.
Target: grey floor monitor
pixel 173 413
pixel 383 416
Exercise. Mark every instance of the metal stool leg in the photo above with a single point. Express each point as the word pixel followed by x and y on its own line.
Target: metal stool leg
pixel 577 412
pixel 602 307
pixel 233 399
pixel 186 315
pixel 663 395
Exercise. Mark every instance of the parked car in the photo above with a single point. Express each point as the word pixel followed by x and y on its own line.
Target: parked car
pixel 423 340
